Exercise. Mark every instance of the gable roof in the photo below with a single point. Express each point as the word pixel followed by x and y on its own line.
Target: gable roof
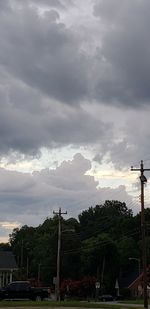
pixel 7 260
pixel 139 279
pixel 128 278
pixel 136 281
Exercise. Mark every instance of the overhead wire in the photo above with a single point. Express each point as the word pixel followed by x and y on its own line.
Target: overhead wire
pixel 91 246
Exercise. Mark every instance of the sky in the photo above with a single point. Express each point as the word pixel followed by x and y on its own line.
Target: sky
pixel 74 106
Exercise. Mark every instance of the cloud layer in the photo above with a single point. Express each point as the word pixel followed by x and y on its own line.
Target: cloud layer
pixel 73 74
pixel 30 198
pixel 126 51
pixel 53 73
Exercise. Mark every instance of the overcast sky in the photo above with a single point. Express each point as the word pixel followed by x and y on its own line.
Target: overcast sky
pixel 74 106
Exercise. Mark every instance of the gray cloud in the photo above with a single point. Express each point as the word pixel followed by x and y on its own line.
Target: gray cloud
pixel 54 3
pixel 42 69
pixel 52 73
pixel 30 198
pixel 125 52
pixel 44 54
pixel 48 56
pixel 60 4
pixel 28 122
pixel 134 146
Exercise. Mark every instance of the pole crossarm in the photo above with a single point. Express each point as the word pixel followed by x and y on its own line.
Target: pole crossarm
pixel 138 169
pixel 143 180
pixel 141 169
pixel 59 212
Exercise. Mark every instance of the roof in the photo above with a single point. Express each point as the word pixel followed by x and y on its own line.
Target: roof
pixel 139 279
pixel 136 281
pixel 128 278
pixel 7 260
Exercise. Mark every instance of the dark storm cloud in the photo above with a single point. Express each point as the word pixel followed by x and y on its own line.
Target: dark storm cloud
pixel 28 122
pixel 48 74
pixel 125 52
pixel 48 56
pixel 51 74
pixel 135 144
pixel 43 53
pixel 40 63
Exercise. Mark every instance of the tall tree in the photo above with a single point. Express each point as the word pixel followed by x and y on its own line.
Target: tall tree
pixel 100 259
pixel 106 218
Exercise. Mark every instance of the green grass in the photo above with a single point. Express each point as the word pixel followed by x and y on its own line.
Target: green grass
pixel 136 301
pixel 53 304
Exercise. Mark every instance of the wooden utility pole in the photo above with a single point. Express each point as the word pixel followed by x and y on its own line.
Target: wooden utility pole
pixel 27 267
pixel 144 256
pixel 59 213
pixel 21 260
pixel 39 273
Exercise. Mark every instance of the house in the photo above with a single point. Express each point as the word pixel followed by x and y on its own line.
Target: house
pixel 137 286
pixel 127 277
pixel 7 267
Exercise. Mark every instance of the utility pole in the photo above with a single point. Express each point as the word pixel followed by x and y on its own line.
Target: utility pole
pixel 39 273
pixel 144 257
pixel 59 213
pixel 27 267
pixel 21 259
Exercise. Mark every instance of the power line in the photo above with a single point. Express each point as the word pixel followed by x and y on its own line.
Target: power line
pixel 102 243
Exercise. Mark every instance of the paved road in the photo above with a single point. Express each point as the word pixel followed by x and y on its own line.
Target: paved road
pixel 124 306
pixel 121 304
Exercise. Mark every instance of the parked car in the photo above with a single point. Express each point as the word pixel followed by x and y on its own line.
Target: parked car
pixel 23 290
pixel 106 297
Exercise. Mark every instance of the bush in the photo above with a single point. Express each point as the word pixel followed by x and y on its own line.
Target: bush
pixel 79 288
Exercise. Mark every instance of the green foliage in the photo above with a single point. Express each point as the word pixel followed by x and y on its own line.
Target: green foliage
pixel 100 259
pixel 105 218
pixel 39 246
pixel 98 245
pixel 5 247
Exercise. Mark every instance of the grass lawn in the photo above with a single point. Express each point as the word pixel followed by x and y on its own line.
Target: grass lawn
pixel 52 304
pixel 136 301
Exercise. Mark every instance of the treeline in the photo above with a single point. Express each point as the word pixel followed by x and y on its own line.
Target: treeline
pixel 98 244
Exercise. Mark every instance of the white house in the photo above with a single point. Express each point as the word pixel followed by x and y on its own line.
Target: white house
pixel 7 267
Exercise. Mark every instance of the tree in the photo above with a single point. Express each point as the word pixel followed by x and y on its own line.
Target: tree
pixel 106 218
pixel 100 259
pixel 98 245
pixel 5 247
pixel 39 245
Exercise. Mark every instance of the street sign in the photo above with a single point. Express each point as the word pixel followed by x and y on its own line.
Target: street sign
pixel 117 284
pixel 97 284
pixel 54 280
